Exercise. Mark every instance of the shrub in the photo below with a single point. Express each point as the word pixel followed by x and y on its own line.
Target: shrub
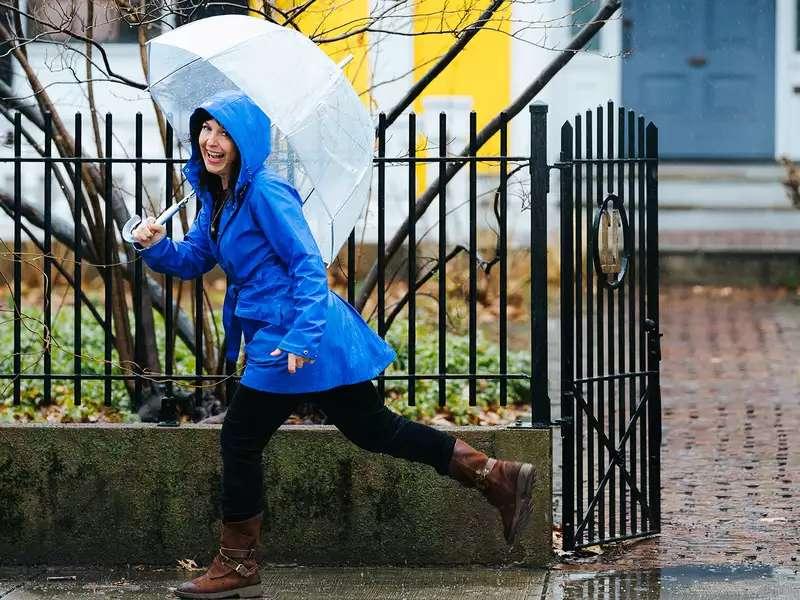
pixel 34 406
pixel 457 407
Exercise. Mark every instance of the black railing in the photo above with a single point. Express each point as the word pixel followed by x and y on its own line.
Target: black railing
pixel 88 184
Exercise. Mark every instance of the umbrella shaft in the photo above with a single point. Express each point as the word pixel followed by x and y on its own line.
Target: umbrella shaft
pixel 170 211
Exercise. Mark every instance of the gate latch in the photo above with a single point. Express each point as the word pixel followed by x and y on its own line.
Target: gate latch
pixel 564 423
pixel 653 339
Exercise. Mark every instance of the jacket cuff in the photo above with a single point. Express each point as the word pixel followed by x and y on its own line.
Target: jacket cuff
pixel 302 351
pixel 144 251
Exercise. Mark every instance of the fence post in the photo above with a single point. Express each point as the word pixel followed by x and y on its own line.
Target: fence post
pixel 138 273
pixel 17 258
pixel 654 333
pixel 381 239
pixel 567 338
pixel 540 409
pixel 78 255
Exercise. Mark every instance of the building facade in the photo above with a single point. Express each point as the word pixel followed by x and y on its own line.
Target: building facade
pixel 721 78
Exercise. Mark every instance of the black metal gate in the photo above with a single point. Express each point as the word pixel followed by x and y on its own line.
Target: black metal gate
pixel 610 394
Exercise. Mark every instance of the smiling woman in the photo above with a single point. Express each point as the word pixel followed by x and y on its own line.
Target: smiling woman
pixel 222 164
pixel 303 343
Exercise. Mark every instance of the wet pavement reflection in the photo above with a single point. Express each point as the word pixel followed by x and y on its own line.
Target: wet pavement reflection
pixel 685 582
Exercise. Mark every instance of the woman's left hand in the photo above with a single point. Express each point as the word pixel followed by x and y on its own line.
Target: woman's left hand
pixel 295 362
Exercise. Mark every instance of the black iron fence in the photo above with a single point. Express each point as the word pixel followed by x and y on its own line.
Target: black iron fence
pixel 610 374
pixel 119 280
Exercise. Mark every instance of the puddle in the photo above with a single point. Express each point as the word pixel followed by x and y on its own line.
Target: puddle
pixel 703 582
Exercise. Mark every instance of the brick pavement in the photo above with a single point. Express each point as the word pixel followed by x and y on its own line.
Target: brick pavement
pixel 731 431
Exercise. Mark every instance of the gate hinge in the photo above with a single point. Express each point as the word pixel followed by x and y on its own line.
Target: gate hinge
pixel 566 421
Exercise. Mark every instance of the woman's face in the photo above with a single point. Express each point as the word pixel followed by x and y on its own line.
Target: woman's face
pixel 218 150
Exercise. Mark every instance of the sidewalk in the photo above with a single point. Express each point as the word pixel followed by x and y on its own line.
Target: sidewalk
pixel 375 583
pixel 289 583
pixel 731 416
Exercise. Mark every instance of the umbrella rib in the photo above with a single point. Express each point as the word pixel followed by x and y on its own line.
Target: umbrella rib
pixel 205 58
pixel 343 204
pixel 171 73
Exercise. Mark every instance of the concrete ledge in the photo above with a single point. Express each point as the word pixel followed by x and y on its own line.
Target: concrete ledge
pixel 111 494
pixel 730 266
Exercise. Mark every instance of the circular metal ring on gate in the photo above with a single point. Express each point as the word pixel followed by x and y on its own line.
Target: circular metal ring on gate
pixel 616 204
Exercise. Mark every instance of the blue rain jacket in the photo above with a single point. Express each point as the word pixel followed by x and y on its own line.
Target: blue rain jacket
pixel 277 294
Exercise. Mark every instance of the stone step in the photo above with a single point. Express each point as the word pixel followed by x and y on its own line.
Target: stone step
pixel 723 195
pixel 753 240
pixel 730 256
pixel 705 219
pixel 701 172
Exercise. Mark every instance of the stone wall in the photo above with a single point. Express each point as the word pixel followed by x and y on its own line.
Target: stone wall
pixel 140 494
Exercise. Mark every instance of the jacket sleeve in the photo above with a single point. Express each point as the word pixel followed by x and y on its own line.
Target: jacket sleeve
pixel 279 214
pixel 187 259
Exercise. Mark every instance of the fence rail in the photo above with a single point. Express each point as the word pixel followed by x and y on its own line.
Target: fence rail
pixel 87 183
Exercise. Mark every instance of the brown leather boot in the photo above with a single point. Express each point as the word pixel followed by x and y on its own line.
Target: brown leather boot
pixel 234 571
pixel 506 485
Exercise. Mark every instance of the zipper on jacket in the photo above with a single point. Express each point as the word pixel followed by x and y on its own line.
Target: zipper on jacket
pixel 239 203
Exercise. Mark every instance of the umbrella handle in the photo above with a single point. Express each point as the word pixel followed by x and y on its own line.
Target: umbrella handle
pixel 171 211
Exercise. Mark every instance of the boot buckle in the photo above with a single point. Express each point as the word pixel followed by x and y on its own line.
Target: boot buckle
pixel 240 568
pixel 482 476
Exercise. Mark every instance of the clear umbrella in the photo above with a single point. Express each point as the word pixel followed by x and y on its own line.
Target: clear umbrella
pixel 322 135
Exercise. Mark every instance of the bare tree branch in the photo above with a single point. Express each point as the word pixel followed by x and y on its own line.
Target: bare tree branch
pixel 608 8
pixel 78 37
pixel 89 83
pixel 463 39
pixel 62 230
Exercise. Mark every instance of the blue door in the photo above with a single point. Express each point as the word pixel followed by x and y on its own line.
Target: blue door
pixel 704 72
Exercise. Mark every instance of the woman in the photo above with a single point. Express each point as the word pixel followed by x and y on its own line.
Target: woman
pixel 303 343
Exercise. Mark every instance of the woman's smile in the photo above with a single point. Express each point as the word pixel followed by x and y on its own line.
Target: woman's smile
pixel 218 150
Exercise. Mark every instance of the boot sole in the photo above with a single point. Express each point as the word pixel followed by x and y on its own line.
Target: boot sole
pixel 250 591
pixel 524 504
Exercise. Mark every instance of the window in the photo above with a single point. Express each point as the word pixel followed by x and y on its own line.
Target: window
pixel 797 26
pixel 200 9
pixel 56 19
pixel 582 12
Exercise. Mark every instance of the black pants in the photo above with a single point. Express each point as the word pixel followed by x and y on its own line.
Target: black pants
pixel 357 410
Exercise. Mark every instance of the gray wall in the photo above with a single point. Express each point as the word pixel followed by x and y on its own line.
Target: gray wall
pixel 117 494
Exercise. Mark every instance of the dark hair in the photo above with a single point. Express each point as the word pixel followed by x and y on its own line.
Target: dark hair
pixel 209 181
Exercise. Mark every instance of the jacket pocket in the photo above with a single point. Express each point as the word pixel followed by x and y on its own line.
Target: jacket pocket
pixel 267 312
pixel 263 342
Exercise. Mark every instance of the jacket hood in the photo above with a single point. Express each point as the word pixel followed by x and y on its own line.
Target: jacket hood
pixel 247 125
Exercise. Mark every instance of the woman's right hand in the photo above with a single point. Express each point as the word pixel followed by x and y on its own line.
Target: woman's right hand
pixel 148 232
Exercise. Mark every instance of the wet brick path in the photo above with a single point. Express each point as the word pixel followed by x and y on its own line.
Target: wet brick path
pixel 731 430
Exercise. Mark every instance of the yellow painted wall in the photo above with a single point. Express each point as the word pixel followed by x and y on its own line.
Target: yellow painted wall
pixel 329 19
pixel 482 70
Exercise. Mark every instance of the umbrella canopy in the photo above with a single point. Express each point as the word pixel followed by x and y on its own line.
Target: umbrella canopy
pixel 322 135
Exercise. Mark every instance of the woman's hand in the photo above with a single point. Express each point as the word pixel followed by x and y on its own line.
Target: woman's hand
pixel 149 232
pixel 295 362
